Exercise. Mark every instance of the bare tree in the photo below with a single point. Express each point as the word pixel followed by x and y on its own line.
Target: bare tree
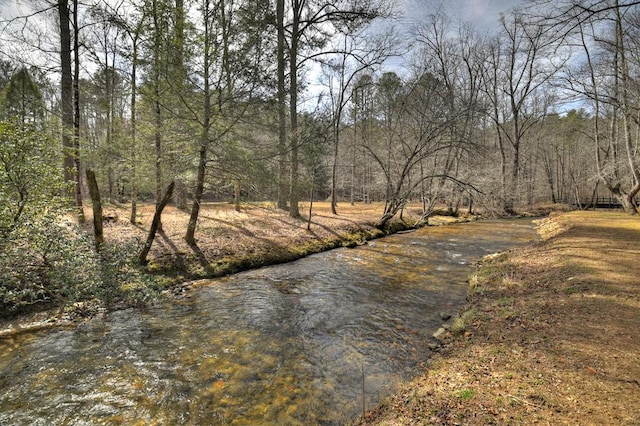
pixel 615 99
pixel 458 62
pixel 606 31
pixel 363 107
pixel 521 67
pixel 309 25
pixel 355 55
pixel 415 122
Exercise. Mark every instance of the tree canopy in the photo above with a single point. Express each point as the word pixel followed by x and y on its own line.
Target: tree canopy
pixel 238 99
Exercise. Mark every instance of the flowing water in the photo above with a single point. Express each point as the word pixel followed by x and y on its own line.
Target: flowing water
pixel 308 342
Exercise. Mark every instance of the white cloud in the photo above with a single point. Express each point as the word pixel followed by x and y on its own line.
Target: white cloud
pixel 484 14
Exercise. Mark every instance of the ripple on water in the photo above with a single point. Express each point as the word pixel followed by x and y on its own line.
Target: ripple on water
pixel 288 344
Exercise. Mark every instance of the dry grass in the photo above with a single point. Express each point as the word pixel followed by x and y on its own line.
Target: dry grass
pixel 229 240
pixel 553 338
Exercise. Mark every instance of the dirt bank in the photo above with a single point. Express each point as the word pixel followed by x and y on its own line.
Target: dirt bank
pixel 230 240
pixel 551 336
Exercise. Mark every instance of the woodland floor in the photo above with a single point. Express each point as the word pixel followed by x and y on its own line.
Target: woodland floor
pixel 551 336
pixel 230 240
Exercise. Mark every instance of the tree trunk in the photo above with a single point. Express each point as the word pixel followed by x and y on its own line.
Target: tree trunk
pixel 156 104
pixel 66 97
pixel 142 256
pixel 550 181
pixel 334 169
pixel 392 207
pixel 204 136
pixel 134 183
pixel 236 194
pixel 313 184
pixel 76 113
pixel 513 195
pixel 628 201
pixel 181 195
pixel 294 210
pixel 94 191
pixel 111 185
pixel 197 195
pixel 352 195
pixel 282 109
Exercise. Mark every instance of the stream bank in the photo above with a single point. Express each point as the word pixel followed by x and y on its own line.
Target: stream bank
pixel 550 336
pixel 306 342
pixel 228 242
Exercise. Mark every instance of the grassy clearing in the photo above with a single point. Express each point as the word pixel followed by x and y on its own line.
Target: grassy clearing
pixel 552 339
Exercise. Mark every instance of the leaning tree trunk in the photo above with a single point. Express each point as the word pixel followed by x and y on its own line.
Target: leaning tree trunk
pixel 313 184
pixel 142 256
pixel 392 207
pixel 97 209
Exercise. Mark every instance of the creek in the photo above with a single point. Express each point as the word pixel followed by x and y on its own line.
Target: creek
pixel 296 343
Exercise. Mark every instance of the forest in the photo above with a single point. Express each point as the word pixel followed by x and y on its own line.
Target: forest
pixel 285 101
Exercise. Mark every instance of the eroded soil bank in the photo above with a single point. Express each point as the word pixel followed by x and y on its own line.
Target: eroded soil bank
pixel 550 335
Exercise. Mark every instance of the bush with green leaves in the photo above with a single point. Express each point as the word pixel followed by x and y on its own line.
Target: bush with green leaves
pixel 46 258
pixel 30 176
pixel 51 262
pixel 43 257
pixel 46 261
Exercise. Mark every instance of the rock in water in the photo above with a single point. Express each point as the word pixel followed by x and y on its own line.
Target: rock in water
pixel 439 333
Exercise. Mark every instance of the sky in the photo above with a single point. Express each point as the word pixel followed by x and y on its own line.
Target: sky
pixel 484 14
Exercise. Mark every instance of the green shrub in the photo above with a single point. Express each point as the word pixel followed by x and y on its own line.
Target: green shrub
pixel 30 176
pixel 46 261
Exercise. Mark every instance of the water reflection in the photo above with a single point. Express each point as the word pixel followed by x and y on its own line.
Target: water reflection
pixel 289 344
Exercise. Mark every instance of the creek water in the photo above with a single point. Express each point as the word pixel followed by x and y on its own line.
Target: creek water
pixel 308 342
